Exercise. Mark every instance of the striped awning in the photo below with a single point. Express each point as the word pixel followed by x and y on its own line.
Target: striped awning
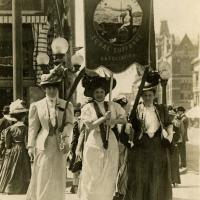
pixel 6 19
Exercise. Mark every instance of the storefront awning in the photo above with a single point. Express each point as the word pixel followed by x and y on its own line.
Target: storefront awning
pixel 6 19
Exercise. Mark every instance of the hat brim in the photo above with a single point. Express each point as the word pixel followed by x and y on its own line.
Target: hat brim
pixel 98 82
pixel 9 118
pixel 172 113
pixel 50 83
pixel 150 88
pixel 24 110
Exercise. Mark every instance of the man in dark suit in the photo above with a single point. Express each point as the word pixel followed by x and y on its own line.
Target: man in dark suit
pixel 184 137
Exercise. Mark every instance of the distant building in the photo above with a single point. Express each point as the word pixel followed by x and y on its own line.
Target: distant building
pixel 196 80
pixel 179 56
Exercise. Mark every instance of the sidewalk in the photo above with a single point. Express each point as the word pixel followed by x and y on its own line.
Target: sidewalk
pixel 190 182
pixel 188 190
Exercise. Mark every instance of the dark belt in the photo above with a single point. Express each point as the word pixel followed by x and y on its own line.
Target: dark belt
pixel 52 131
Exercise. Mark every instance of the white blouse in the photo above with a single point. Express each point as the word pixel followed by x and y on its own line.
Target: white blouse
pixel 88 113
pixel 150 119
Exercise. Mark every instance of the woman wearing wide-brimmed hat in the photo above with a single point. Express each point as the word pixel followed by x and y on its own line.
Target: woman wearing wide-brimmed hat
pixel 44 143
pixel 149 172
pixel 15 171
pixel 100 159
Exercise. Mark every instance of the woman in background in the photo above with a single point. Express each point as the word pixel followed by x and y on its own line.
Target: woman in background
pixel 15 172
pixel 174 151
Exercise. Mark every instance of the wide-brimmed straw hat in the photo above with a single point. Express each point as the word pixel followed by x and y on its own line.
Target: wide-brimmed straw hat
pixel 17 107
pixel 121 99
pixel 54 77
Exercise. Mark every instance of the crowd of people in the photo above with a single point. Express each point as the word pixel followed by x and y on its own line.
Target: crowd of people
pixel 112 156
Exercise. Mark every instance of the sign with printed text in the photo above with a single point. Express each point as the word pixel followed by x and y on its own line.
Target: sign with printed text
pixel 117 33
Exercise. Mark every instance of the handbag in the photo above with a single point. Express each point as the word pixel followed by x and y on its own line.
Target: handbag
pixel 62 146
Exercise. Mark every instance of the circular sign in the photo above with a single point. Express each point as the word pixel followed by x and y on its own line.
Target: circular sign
pixel 117 21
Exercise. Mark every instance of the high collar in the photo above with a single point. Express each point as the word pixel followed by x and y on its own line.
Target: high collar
pixel 99 102
pixel 54 99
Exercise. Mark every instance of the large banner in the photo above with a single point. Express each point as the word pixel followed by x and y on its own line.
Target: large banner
pixel 117 33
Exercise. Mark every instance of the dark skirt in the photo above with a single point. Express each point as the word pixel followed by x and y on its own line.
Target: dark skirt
pixel 149 175
pixel 15 171
pixel 174 156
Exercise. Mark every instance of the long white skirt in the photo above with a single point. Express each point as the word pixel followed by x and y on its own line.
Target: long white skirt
pixel 49 174
pixel 100 168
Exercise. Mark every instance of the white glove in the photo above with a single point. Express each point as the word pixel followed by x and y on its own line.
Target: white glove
pixel 168 135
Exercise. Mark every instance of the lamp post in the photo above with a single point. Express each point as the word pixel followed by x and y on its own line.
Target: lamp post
pixel 43 61
pixel 17 49
pixel 59 48
pixel 164 69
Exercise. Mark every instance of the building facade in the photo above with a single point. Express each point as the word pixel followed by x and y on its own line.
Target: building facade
pixel 196 80
pixel 42 21
pixel 179 55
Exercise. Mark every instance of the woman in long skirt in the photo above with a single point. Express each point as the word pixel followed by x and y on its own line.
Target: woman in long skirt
pixel 15 171
pixel 45 117
pixel 149 173
pixel 100 160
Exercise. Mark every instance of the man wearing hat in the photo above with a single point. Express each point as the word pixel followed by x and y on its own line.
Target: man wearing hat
pixel 46 145
pixel 184 137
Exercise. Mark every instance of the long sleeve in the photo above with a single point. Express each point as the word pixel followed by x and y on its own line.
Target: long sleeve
pixel 34 125
pixel 75 136
pixel 8 139
pixel 69 123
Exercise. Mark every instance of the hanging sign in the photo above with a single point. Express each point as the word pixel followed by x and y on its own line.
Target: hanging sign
pixel 117 33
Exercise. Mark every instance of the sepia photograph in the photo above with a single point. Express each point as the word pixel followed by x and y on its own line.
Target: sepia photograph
pixel 99 99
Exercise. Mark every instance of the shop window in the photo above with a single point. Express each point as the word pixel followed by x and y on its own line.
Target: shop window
pixel 6 62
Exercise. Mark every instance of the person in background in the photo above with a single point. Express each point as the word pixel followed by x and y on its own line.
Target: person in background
pixel 149 175
pixel 100 156
pixel 48 179
pixel 15 171
pixel 73 146
pixel 122 133
pixel 174 152
pixel 5 122
pixel 184 138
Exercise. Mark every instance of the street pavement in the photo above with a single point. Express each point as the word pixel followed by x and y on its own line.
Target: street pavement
pixel 189 189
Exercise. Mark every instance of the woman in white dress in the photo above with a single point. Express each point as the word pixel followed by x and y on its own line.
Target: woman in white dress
pixel 100 160
pixel 45 118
